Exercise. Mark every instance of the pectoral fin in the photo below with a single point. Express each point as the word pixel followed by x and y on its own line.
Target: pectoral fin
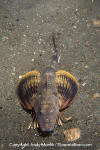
pixel 67 86
pixel 27 89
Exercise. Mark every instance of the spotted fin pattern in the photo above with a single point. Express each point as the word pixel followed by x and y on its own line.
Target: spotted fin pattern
pixel 67 86
pixel 27 89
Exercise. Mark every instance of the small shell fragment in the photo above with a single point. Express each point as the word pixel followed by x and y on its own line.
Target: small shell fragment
pixel 86 66
pixel 72 134
pixel 96 95
pixel 20 76
pixel 84 84
pixel 74 27
pixel 33 59
pixel 13 74
pixel 68 118
pixel 96 23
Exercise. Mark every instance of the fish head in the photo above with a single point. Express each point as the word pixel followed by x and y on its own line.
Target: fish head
pixel 46 110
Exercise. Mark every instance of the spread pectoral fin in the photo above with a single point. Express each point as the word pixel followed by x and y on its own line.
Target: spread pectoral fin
pixel 27 89
pixel 67 87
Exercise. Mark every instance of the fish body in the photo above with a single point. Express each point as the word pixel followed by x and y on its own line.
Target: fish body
pixel 47 93
pixel 46 106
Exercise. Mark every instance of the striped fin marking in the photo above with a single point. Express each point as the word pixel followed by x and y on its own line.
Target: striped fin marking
pixel 27 88
pixel 67 86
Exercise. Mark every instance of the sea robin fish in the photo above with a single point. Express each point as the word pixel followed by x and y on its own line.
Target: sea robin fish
pixel 47 94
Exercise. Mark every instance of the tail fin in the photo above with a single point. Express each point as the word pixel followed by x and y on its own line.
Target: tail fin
pixel 55 58
pixel 54 42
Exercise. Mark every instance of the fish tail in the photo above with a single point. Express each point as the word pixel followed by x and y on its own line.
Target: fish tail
pixel 55 59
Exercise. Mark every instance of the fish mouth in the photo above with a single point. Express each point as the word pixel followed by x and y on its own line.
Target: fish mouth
pixel 46 128
pixel 45 132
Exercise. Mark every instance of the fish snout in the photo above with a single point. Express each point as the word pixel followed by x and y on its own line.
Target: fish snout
pixel 47 123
